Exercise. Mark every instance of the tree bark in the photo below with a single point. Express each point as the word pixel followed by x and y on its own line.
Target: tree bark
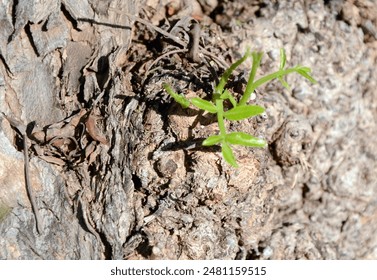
pixel 116 167
pixel 60 70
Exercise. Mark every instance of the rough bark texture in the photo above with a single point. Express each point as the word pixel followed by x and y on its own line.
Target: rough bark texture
pixel 57 58
pixel 117 168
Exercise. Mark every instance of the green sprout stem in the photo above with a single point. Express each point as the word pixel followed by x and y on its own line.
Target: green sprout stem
pixel 220 116
pixel 257 57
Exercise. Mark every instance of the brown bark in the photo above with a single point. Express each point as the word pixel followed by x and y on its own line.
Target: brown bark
pixel 117 169
pixel 56 59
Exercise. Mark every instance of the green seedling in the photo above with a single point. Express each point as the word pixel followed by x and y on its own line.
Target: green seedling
pixel 240 109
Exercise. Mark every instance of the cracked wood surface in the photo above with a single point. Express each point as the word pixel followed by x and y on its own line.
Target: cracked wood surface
pixel 116 168
pixel 42 83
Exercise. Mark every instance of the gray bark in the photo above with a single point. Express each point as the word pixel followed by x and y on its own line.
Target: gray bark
pixel 57 56
pixel 115 168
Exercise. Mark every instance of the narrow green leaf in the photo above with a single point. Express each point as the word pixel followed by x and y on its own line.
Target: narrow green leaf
pixel 283 82
pixel 224 78
pixel 228 154
pixel 283 59
pixel 303 68
pixel 228 95
pixel 204 104
pixel 212 140
pixel 244 139
pixel 182 100
pixel 304 71
pixel 250 87
pixel 243 112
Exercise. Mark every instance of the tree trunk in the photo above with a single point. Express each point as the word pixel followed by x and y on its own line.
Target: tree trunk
pixel 60 63
pixel 116 167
